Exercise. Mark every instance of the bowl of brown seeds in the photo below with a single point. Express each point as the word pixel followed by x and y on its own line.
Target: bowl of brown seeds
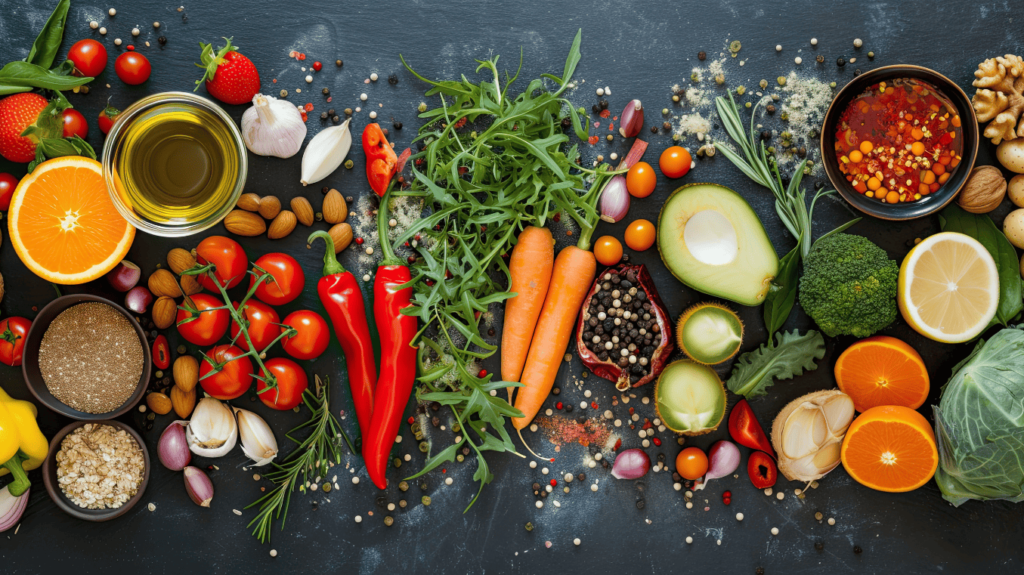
pixel 87 358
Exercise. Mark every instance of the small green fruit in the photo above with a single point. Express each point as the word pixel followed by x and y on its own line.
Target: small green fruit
pixel 710 333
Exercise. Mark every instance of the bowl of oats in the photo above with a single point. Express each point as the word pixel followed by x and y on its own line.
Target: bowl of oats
pixel 96 470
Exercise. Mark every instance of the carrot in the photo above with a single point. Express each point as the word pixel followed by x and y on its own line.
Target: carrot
pixel 571 279
pixel 530 268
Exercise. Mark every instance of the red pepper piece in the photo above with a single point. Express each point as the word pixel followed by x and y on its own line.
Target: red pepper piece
pixel 343 300
pixel 745 430
pixel 762 470
pixel 381 161
pixel 161 352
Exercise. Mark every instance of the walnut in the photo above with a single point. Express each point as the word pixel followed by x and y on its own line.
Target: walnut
pixel 1000 98
pixel 984 190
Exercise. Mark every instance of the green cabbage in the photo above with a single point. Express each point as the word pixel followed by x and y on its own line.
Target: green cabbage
pixel 979 423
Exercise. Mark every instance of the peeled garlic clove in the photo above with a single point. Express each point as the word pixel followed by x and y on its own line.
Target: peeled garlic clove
pixel 258 441
pixel 212 431
pixel 273 127
pixel 808 434
pixel 325 152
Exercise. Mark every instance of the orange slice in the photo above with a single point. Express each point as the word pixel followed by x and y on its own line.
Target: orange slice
pixel 63 224
pixel 890 448
pixel 882 370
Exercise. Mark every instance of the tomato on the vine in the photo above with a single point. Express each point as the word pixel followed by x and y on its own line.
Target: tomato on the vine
pixel 312 335
pixel 675 161
pixel 7 185
pixel 209 325
pixel 691 463
pixel 228 256
pixel 132 68
pixel 607 250
pixel 75 124
pixel 290 383
pixel 161 352
pixel 288 278
pixel 640 180
pixel 640 235
pixel 263 328
pixel 225 372
pixel 107 118
pixel 89 57
pixel 12 339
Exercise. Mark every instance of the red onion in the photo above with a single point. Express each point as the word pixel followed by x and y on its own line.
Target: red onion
pixel 632 119
pixel 124 276
pixel 631 464
pixel 11 507
pixel 172 449
pixel 614 200
pixel 138 299
pixel 198 486
pixel 723 459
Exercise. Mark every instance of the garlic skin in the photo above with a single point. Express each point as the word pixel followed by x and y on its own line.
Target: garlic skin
pixel 258 441
pixel 325 152
pixel 212 431
pixel 808 434
pixel 273 127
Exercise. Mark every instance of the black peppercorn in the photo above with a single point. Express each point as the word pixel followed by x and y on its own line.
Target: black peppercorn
pixel 596 109
pixel 581 477
pixel 654 129
pixel 667 126
pixel 392 79
pixel 802 152
pixel 323 115
pixel 819 58
pixel 330 112
pixel 491 332
pixel 640 504
pixel 397 125
pixel 770 108
pixel 857 72
pixel 338 63
pixel 702 55
pixel 336 119
pixel 766 135
pixel 326 91
pixel 857 549
pixel 162 40
pixel 325 189
pixel 536 486
pixel 819 545
pixel 840 61
pixel 604 104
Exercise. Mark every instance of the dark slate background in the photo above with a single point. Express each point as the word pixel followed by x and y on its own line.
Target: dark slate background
pixel 639 49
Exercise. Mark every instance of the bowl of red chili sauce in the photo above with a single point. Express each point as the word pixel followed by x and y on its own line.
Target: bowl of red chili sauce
pixel 899 142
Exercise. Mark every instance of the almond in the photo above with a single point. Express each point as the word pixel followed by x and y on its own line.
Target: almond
pixel 270 206
pixel 189 285
pixel 180 260
pixel 186 372
pixel 282 225
pixel 342 236
pixel 182 401
pixel 165 309
pixel 163 283
pixel 303 210
pixel 249 202
pixel 243 223
pixel 335 209
pixel 158 403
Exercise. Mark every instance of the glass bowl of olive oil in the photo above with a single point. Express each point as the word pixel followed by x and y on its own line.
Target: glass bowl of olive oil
pixel 175 164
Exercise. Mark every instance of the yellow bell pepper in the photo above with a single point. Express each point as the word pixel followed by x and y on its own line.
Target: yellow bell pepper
pixel 22 446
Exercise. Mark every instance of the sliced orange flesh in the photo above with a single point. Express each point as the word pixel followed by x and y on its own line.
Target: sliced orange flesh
pixel 890 450
pixel 882 370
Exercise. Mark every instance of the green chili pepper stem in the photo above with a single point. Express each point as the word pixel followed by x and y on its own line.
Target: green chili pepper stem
pixel 21 481
pixel 331 264
pixel 390 259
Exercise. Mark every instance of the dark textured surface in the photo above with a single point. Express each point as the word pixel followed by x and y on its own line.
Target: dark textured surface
pixel 639 49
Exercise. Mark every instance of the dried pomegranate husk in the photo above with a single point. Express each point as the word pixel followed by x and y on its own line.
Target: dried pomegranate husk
pixel 609 369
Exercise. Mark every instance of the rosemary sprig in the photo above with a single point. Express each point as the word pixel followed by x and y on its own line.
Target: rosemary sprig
pixel 311 459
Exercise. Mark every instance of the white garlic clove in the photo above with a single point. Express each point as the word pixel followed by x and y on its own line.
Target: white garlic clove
pixel 325 152
pixel 212 431
pixel 258 441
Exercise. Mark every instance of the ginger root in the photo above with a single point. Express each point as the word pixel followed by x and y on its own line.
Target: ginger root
pixel 1000 97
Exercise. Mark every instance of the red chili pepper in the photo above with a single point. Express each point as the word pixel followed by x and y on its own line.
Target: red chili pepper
pixel 341 297
pixel 762 470
pixel 397 355
pixel 745 430
pixel 381 161
pixel 161 352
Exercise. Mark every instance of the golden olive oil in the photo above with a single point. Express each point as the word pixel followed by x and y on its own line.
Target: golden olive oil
pixel 176 164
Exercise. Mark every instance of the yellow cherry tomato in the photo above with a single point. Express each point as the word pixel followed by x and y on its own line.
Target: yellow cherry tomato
pixel 691 463
pixel 607 250
pixel 675 162
pixel 640 235
pixel 640 180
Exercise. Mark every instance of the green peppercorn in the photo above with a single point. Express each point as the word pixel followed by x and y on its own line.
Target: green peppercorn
pixel 610 137
pixel 664 111
pixel 418 435
pixel 781 80
pixel 349 164
pixel 403 486
pixel 456 428
pixel 675 137
pixel 831 84
pixel 720 79
pixel 425 500
pixel 747 104
pixel 741 90
pixel 389 521
pixel 348 111
pixel 784 116
pixel 529 526
pixel 402 503
pixel 319 216
pixel 763 84
pixel 397 462
pixel 694 77
pixel 422 107
pixel 871 55
pixel 327 487
pixel 735 46
pixel 424 446
pixel 159 374
pixel 675 98
pixel 284 93
pixel 338 63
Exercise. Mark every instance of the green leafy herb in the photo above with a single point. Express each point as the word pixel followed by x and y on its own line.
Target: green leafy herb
pixel 47 45
pixel 48 133
pixel 22 76
pixel 982 228
pixel 791 354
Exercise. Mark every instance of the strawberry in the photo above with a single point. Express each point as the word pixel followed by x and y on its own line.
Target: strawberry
pixel 17 112
pixel 230 77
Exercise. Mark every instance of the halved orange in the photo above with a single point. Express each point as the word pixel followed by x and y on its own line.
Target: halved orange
pixel 64 226
pixel 882 370
pixel 890 448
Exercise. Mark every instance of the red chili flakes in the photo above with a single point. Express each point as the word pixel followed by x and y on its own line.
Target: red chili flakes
pixel 411 420
pixel 611 126
pixel 274 80
pixel 463 170
pixel 631 410
pixel 309 106
pixel 647 424
pixel 302 56
pixel 565 430
pixel 330 98
pixel 618 444
pixel 304 117
pixel 605 113
pixel 593 140
pixel 593 404
pixel 616 118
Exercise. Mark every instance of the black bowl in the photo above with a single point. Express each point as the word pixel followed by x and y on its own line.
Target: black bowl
pixel 70 507
pixel 30 359
pixel 930 203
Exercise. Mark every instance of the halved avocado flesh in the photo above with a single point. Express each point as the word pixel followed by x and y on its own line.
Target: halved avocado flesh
pixel 690 398
pixel 711 240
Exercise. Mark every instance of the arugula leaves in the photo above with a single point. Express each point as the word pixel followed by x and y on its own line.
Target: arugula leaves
pixel 788 356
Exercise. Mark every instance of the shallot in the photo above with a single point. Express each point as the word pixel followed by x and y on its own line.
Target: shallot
pixel 198 486
pixel 631 464
pixel 172 449
pixel 723 459
pixel 632 119
pixel 614 200
pixel 11 507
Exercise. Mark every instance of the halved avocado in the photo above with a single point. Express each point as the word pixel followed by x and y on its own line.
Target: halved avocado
pixel 711 240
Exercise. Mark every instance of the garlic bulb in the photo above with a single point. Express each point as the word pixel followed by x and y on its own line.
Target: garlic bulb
pixel 258 442
pixel 808 434
pixel 325 152
pixel 273 127
pixel 212 431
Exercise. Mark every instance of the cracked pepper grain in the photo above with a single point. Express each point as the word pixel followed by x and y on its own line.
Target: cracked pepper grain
pixel 91 358
pixel 99 466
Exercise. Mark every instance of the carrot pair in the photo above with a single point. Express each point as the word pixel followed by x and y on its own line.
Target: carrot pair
pixel 530 267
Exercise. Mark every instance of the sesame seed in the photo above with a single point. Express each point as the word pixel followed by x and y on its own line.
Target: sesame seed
pixel 539 504
pixel 778 47
pixel 739 517
pixel 273 552
pixel 689 540
pixel 362 97
pixel 94 24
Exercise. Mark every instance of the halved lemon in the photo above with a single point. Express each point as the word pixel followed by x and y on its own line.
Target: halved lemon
pixel 949 287
pixel 64 226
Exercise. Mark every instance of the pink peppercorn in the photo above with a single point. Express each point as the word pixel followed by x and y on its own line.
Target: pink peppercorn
pixel 317 65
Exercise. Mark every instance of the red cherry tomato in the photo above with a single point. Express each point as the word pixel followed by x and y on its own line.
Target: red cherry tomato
pixel 288 279
pixel 228 256
pixel 89 57
pixel 290 383
pixel 12 339
pixel 7 185
pixel 691 463
pixel 761 470
pixel 312 337
pixel 132 68
pixel 225 372
pixel 75 124
pixel 107 118
pixel 209 326
pixel 640 180
pixel 675 161
pixel 161 352
pixel 263 328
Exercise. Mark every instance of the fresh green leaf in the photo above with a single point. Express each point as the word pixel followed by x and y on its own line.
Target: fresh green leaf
pixel 27 75
pixel 47 44
pixel 788 356
pixel 782 293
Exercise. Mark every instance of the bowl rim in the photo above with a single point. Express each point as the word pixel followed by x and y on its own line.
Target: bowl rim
pixel 37 387
pixel 68 506
pixel 950 89
pixel 114 137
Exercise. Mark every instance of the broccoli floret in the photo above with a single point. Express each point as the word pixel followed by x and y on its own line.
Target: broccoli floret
pixel 849 286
